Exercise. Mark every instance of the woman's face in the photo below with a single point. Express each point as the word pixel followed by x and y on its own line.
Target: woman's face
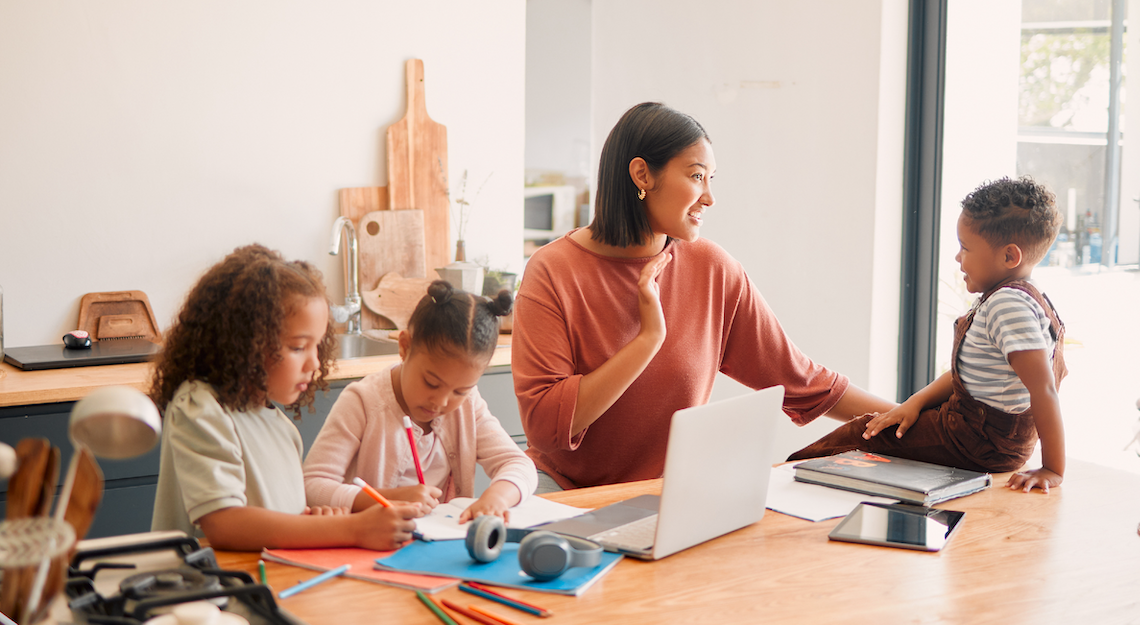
pixel 679 194
pixel 291 371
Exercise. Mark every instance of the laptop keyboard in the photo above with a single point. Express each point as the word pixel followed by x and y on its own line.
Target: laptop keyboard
pixel 636 536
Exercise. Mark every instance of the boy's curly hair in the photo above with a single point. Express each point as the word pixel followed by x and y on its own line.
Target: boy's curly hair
pixel 1019 211
pixel 229 329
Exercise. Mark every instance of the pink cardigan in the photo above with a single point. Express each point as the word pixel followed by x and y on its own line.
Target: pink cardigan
pixel 364 437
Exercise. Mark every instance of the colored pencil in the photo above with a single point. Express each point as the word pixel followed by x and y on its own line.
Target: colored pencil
pixel 261 572
pixel 372 492
pixel 412 444
pixel 500 619
pixel 309 583
pixel 507 601
pixel 486 588
pixel 440 614
pixel 471 614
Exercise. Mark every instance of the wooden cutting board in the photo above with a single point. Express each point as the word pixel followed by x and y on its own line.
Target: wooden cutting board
pixel 389 242
pixel 395 298
pixel 355 202
pixel 417 169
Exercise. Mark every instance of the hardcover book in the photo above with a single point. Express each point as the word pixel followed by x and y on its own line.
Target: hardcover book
pixel 886 476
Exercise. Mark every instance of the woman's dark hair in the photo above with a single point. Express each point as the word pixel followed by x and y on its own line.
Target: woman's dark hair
pixel 450 321
pixel 1020 211
pixel 229 329
pixel 654 132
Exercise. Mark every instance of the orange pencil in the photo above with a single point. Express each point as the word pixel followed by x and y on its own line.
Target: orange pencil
pixel 372 492
pixel 475 616
pixel 500 619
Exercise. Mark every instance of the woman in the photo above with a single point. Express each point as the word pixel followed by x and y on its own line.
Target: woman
pixel 620 324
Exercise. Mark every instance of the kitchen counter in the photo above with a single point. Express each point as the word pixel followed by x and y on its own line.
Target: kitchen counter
pixel 24 388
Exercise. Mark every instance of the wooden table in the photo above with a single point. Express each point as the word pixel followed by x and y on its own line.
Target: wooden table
pixel 1072 556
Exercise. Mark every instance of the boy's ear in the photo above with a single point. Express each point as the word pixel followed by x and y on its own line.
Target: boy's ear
pixel 1013 256
pixel 639 172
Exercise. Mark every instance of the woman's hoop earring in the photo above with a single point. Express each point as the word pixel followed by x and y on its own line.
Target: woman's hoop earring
pixel 641 194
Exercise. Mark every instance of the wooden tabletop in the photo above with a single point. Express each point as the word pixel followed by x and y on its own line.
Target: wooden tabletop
pixel 1070 556
pixel 22 388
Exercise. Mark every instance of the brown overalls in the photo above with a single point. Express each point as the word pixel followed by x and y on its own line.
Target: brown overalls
pixel 963 432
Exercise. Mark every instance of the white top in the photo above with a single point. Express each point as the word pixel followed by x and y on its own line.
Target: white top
pixel 213 458
pixel 1008 321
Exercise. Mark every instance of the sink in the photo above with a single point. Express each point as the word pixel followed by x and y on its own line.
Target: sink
pixel 360 346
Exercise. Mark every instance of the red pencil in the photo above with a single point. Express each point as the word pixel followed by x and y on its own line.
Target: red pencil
pixel 501 620
pixel 412 444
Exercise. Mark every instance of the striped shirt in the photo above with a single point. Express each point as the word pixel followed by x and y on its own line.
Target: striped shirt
pixel 1009 321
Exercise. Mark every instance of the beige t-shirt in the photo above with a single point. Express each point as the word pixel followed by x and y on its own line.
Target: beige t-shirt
pixel 214 458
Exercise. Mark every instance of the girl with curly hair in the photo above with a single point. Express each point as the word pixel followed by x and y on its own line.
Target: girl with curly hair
pixel 449 341
pixel 254 330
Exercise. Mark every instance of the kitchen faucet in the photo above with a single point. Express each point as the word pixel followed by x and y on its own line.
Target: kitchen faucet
pixel 350 312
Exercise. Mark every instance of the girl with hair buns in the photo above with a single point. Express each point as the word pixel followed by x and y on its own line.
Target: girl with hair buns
pixel 446 348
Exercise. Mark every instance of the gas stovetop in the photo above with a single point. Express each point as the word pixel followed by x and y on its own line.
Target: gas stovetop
pixel 127 584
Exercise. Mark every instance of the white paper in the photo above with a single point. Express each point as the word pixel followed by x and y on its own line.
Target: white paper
pixel 811 501
pixel 443 522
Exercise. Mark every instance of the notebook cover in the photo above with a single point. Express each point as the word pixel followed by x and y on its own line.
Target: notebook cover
pixel 363 566
pixel 450 558
pixel 867 472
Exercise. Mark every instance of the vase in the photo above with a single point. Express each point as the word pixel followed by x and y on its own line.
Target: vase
pixel 460 251
pixel 463 275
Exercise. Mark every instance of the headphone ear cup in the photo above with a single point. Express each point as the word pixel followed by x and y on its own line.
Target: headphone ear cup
pixel 544 555
pixel 485 538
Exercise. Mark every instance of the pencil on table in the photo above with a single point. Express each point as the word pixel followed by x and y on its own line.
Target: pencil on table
pixel 438 611
pixel 471 614
pixel 500 619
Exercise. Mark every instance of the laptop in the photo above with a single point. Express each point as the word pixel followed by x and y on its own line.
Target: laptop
pixel 717 464
pixel 104 352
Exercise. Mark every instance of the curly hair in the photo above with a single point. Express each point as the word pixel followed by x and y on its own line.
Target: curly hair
pixel 452 321
pixel 228 332
pixel 1019 211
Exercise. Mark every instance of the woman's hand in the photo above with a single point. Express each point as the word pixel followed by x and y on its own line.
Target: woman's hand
pixel 649 299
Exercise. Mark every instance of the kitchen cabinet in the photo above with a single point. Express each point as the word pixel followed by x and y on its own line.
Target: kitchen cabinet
pixel 128 498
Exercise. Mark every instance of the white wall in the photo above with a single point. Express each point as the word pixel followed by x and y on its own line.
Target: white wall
pixel 558 86
pixel 804 105
pixel 142 141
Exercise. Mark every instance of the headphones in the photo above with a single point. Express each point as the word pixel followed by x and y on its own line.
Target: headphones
pixel 543 555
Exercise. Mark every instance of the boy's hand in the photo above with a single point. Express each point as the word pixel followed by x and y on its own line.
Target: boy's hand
pixel 418 493
pixel 384 529
pixel 1041 478
pixel 902 415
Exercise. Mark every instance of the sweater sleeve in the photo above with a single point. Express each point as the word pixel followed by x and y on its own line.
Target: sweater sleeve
pixel 758 353
pixel 542 364
pixel 335 449
pixel 500 457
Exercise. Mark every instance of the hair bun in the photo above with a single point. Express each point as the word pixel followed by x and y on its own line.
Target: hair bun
pixel 500 305
pixel 440 291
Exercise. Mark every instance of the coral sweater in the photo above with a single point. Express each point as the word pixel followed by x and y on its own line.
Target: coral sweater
pixel 575 309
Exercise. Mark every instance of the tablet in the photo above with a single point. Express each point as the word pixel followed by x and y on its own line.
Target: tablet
pixel 898 525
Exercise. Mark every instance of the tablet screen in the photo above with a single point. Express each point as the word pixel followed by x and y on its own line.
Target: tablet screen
pixel 898 525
